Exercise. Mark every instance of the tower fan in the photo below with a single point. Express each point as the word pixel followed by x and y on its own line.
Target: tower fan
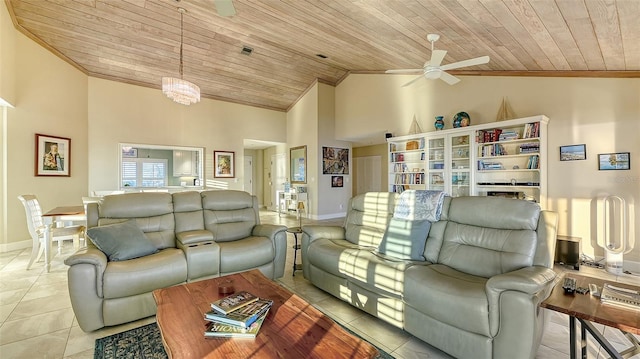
pixel 613 233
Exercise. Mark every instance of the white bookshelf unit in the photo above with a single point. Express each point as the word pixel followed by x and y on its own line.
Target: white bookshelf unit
pixel 406 163
pixel 506 158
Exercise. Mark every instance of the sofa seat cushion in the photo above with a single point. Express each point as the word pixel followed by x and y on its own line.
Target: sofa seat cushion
pixel 343 259
pixel 142 275
pixel 250 252
pixel 449 296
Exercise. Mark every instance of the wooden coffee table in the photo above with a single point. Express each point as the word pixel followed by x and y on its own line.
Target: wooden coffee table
pixel 587 309
pixel 293 328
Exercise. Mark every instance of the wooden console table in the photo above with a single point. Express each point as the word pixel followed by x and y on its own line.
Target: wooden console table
pixel 588 309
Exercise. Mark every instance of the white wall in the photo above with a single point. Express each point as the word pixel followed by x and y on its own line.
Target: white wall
pixel 602 113
pixel 124 113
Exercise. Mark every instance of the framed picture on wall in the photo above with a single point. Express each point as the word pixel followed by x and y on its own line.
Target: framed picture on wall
pixel 614 161
pixel 53 156
pixel 224 164
pixel 337 181
pixel 335 161
pixel 573 152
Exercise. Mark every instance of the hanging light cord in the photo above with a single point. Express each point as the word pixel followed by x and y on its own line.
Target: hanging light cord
pixel 181 38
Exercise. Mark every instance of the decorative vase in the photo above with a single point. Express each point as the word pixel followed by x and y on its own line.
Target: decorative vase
pixel 439 124
pixel 461 119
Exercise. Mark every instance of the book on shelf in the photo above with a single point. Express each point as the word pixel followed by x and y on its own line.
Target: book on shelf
pixel 619 296
pixel 242 317
pixel 221 330
pixel 233 302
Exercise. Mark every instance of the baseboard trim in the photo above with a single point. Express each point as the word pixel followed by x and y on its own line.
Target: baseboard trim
pixel 14 246
pixel 329 216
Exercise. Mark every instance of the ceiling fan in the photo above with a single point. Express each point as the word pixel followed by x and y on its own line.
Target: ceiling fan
pixel 432 68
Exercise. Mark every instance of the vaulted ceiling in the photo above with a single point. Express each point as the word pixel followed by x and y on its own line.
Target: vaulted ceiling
pixel 295 42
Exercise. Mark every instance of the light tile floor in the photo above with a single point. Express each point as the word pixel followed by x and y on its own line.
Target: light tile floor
pixel 37 320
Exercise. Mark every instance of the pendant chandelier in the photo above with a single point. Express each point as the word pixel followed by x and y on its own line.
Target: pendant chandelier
pixel 178 89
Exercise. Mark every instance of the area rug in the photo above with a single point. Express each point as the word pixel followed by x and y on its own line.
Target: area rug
pixel 145 343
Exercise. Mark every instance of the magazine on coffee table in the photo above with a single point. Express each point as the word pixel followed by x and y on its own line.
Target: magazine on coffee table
pixel 220 330
pixel 242 317
pixel 233 302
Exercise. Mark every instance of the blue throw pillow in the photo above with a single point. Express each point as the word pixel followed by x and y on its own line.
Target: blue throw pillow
pixel 405 239
pixel 121 241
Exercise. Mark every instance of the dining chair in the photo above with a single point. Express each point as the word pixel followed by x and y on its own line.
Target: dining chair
pixel 37 229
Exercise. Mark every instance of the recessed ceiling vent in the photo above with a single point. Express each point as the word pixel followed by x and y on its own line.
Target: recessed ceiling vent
pixel 246 50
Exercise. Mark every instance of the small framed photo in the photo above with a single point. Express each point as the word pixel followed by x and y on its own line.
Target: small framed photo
pixel 129 152
pixel 337 181
pixel 573 152
pixel 53 156
pixel 614 161
pixel 224 164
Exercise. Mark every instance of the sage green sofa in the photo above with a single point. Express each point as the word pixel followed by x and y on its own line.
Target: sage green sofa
pixel 194 236
pixel 487 266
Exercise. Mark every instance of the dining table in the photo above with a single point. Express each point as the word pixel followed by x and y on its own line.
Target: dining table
pixel 62 213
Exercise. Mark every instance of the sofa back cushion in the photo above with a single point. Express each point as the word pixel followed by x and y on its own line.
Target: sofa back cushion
pixel 229 215
pixel 486 236
pixel 152 212
pixel 187 208
pixel 368 216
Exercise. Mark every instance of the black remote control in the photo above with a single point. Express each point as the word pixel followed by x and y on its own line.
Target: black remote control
pixel 569 285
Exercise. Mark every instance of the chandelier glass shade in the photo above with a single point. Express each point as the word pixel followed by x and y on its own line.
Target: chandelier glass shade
pixel 179 89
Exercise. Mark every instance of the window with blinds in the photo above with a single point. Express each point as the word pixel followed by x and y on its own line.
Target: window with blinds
pixel 144 172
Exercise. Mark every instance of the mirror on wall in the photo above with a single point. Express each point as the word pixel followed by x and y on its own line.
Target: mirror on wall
pixel 160 166
pixel 298 164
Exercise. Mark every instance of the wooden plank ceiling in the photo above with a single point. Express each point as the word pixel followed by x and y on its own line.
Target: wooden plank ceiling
pixel 138 41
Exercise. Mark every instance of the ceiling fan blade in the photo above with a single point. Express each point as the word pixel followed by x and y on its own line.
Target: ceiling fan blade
pixel 225 7
pixel 404 71
pixel 412 81
pixel 436 57
pixel 448 78
pixel 471 62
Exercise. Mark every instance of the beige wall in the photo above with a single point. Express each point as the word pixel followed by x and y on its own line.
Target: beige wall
pixel 7 56
pixel 603 113
pixel 123 113
pixel 311 122
pixel 51 99
pixel 302 129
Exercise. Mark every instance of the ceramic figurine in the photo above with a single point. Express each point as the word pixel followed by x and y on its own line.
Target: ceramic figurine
pixel 439 124
pixel 461 119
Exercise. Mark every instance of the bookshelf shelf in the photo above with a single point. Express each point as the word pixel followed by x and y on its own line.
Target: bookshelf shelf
pixel 462 160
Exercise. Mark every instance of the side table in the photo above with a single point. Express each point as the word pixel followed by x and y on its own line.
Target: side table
pixel 296 246
pixel 586 310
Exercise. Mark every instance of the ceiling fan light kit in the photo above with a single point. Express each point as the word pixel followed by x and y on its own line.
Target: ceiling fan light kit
pixel 178 89
pixel 433 70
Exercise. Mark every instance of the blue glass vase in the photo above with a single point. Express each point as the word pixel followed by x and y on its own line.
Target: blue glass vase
pixel 439 124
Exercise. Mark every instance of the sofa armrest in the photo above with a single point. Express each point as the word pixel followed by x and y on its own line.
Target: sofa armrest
pixel 535 282
pixel 529 280
pixel 278 236
pixel 93 256
pixel 187 238
pixel 311 233
pixel 86 270
pixel 267 230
